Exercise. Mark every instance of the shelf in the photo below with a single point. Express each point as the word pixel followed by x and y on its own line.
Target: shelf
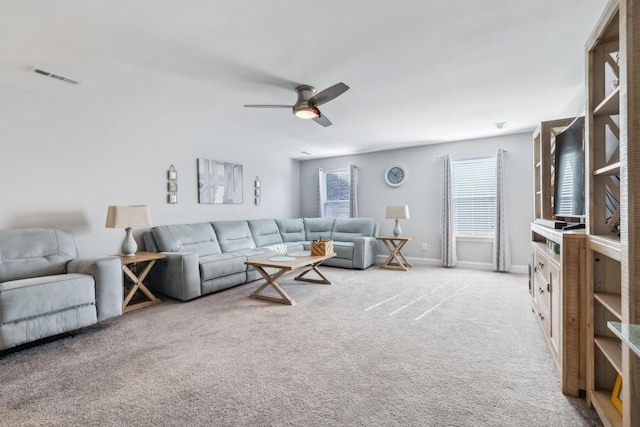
pixel 610 347
pixel 606 245
pixel 611 302
pixel 629 334
pixel 601 400
pixel 610 105
pixel 612 169
pixel 612 146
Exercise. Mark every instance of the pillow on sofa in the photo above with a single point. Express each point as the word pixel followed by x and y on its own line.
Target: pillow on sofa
pixel 265 232
pixel 291 230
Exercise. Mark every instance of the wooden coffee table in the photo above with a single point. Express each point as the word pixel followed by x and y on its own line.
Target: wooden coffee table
pixel 301 265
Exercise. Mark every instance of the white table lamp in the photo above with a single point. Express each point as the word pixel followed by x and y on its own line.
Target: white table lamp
pixel 397 213
pixel 128 217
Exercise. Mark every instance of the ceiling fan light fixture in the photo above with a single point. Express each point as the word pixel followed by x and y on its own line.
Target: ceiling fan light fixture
pixel 306 113
pixel 306 107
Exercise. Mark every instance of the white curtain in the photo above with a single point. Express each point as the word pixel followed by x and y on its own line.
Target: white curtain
pixel 501 247
pixel 449 257
pixel 321 198
pixel 353 191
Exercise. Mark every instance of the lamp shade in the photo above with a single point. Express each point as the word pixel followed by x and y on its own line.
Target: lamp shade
pixel 398 212
pixel 128 216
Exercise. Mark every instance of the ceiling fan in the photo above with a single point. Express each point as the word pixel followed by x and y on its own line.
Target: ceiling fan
pixel 306 107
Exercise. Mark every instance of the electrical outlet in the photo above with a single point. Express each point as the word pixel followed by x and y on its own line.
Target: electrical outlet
pixel 424 246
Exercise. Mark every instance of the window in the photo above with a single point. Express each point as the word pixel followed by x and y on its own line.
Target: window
pixel 474 195
pixel 337 185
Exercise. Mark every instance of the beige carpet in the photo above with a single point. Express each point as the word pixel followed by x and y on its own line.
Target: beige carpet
pixel 428 347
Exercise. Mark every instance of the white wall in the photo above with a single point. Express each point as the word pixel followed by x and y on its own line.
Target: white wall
pixel 62 165
pixel 423 193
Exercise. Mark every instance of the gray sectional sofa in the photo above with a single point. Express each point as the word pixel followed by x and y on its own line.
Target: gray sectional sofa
pixel 45 289
pixel 207 257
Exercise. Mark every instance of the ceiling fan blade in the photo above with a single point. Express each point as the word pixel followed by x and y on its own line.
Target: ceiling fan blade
pixel 268 106
pixel 322 120
pixel 329 94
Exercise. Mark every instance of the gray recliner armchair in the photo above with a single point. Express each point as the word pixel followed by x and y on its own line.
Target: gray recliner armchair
pixel 46 290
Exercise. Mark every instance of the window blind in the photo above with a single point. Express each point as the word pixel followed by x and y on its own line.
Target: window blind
pixel 474 195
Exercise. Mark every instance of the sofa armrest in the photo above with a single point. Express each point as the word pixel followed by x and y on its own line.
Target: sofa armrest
pixel 107 274
pixel 365 251
pixel 177 275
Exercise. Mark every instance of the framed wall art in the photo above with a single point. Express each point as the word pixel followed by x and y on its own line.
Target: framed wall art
pixel 219 182
pixel 172 185
pixel 257 190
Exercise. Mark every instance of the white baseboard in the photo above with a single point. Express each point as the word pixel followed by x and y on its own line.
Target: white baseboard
pixel 523 269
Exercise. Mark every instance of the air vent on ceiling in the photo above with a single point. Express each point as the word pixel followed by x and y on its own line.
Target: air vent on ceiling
pixel 54 76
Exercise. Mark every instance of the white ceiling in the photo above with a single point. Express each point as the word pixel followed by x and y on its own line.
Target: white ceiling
pixel 420 71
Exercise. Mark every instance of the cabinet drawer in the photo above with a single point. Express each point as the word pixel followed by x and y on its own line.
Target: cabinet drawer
pixel 541 264
pixel 544 320
pixel 542 291
pixel 545 323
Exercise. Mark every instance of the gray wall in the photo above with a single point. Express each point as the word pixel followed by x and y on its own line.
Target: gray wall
pixel 61 166
pixel 422 192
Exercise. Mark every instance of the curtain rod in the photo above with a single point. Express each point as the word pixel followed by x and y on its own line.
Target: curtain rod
pixel 471 155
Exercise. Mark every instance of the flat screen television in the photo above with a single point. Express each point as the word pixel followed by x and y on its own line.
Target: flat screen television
pixel 569 185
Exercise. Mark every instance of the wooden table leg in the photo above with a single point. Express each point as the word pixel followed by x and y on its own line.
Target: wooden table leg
pixel 324 279
pixel 138 285
pixel 396 259
pixel 270 280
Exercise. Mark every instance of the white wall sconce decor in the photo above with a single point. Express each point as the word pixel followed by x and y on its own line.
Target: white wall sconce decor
pixel 172 185
pixel 257 192
pixel 128 217
pixel 397 213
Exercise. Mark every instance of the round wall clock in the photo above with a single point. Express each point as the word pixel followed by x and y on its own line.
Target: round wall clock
pixel 395 176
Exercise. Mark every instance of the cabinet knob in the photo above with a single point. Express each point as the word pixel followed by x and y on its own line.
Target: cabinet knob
pixel 540 316
pixel 541 264
pixel 540 291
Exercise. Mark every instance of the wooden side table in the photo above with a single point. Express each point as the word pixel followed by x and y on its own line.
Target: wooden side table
pixel 137 279
pixel 396 260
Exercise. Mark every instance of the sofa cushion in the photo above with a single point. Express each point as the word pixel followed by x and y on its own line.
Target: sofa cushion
pixel 347 229
pixel 291 230
pixel 257 252
pixel 35 252
pixel 343 249
pixel 34 328
pixel 219 265
pixel 197 238
pixel 264 231
pixel 315 228
pixel 37 296
pixel 233 235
